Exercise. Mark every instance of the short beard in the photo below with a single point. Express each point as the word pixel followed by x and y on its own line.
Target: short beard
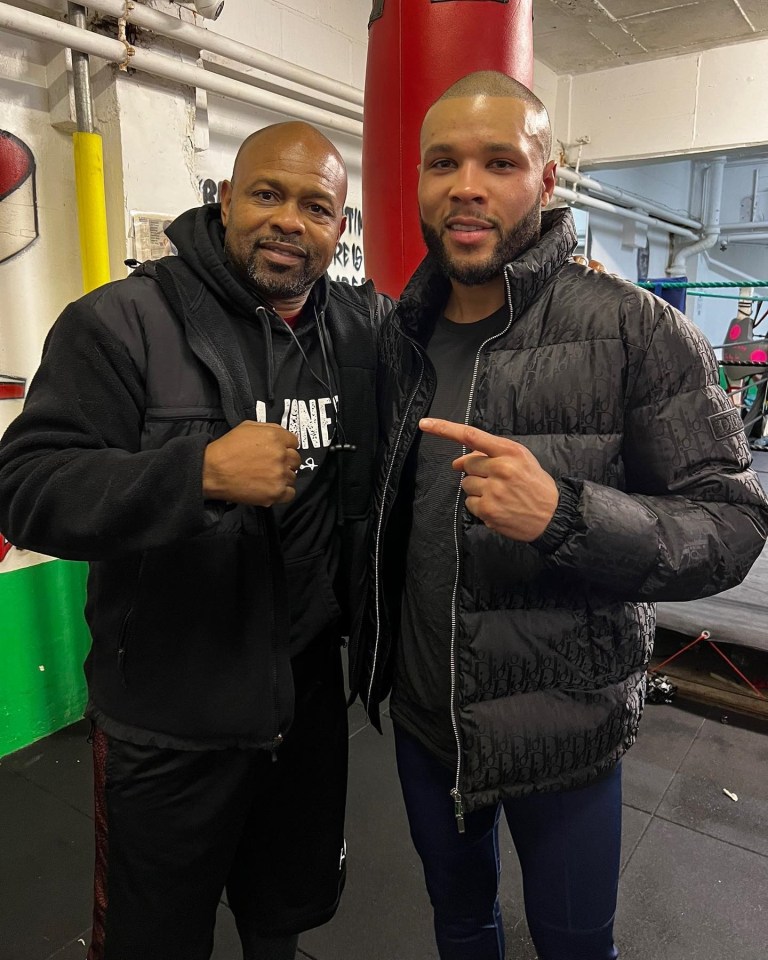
pixel 510 245
pixel 273 281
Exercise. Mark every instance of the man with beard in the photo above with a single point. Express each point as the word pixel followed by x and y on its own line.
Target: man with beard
pixel 558 456
pixel 202 433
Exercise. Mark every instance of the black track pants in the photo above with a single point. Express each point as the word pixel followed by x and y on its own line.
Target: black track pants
pixel 176 829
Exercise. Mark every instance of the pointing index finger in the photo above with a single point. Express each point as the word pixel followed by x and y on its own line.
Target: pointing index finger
pixel 469 437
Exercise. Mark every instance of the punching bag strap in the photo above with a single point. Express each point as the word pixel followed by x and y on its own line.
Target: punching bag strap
pixel 376 12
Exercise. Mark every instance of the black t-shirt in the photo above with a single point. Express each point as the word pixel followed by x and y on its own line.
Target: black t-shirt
pixel 421 694
pixel 304 403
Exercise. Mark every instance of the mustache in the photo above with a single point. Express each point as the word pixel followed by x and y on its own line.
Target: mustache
pixel 473 215
pixel 262 241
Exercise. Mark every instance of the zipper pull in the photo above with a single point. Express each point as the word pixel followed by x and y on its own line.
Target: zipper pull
pixel 275 744
pixel 458 810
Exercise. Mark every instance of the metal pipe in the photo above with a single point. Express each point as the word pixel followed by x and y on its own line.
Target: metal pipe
pixel 726 270
pixel 583 200
pixel 755 188
pixel 746 237
pixel 39 27
pixel 744 227
pixel 616 193
pixel 202 39
pixel 715 173
pixel 89 169
pixel 91 210
pixel 81 75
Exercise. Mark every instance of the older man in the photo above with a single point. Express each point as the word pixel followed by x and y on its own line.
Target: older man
pixel 201 432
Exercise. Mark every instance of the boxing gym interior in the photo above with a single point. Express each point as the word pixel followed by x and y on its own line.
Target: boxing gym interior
pixel 116 117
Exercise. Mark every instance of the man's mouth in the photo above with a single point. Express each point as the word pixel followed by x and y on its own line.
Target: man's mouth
pixel 468 231
pixel 279 252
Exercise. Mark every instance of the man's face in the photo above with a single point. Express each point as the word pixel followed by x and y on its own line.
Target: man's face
pixel 283 213
pixel 482 184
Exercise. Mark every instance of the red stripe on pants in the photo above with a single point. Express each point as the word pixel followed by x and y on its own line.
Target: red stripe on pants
pixel 100 898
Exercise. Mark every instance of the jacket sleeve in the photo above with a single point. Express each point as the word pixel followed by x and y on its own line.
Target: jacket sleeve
pixel 74 482
pixel 693 517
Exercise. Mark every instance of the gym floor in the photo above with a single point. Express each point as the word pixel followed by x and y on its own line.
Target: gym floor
pixel 695 861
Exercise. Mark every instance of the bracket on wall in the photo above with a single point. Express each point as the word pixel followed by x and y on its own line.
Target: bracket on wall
pixel 378 6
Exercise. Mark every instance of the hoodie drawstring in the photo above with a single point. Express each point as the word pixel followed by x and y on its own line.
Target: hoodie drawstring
pixel 263 316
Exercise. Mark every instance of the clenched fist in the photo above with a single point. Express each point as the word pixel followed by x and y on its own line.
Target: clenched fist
pixel 255 463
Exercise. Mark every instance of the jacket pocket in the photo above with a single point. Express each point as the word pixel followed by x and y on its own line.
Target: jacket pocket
pixel 162 424
pixel 123 640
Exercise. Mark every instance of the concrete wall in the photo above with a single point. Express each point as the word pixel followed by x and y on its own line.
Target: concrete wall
pixel 669 107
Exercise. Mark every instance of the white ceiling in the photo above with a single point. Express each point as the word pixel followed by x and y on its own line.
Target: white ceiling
pixel 578 36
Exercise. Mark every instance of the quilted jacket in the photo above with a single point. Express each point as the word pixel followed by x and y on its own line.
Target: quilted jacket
pixel 617 395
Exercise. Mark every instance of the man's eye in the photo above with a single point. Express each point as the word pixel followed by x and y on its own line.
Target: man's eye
pixel 316 208
pixel 442 164
pixel 265 195
pixel 501 164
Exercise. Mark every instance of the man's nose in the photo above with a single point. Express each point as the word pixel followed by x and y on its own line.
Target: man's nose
pixel 287 219
pixel 466 185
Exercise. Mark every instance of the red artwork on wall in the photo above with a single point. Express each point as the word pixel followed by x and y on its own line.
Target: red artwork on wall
pixel 18 196
pixel 5 548
pixel 12 388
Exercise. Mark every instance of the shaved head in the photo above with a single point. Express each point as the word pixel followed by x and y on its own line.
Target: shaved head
pixel 492 83
pixel 289 135
pixel 283 211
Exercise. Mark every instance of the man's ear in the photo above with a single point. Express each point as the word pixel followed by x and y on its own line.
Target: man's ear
pixel 226 200
pixel 548 181
pixel 342 228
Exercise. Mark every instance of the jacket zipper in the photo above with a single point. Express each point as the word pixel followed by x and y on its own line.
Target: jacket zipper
pixel 379 525
pixel 458 800
pixel 122 643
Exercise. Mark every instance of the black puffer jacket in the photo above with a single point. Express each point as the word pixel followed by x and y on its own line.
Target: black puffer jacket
pixel 617 396
pixel 187 602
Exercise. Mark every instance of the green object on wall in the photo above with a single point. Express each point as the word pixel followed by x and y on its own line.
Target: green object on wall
pixel 43 643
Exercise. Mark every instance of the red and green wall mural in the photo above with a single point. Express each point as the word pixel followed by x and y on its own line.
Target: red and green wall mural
pixel 43 637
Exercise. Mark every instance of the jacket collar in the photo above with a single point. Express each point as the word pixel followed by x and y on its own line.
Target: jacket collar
pixel 428 289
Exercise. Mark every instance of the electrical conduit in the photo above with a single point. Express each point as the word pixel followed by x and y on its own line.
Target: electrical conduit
pixel 715 174
pixel 89 173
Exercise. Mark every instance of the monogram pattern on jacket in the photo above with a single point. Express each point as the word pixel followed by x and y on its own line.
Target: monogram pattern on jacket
pixel 615 393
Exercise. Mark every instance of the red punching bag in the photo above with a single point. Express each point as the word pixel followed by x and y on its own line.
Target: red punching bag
pixel 416 50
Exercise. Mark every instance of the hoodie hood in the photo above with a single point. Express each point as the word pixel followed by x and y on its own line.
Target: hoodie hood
pixel 198 235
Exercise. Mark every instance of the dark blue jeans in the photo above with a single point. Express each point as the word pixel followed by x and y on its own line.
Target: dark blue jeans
pixel 568 845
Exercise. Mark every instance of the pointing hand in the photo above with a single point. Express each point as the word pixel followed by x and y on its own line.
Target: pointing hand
pixel 505 485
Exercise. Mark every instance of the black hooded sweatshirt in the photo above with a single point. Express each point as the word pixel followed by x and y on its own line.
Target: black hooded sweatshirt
pixel 191 603
pixel 292 377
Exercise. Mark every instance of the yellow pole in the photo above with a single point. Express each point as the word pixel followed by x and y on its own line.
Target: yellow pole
pixel 91 209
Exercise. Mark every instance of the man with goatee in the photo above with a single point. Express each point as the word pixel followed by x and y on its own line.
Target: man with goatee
pixel 202 433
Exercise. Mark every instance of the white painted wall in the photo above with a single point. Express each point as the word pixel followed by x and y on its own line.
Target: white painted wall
pixel 37 283
pixel 700 102
pixel 160 145
pixel 546 88
pixel 327 36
